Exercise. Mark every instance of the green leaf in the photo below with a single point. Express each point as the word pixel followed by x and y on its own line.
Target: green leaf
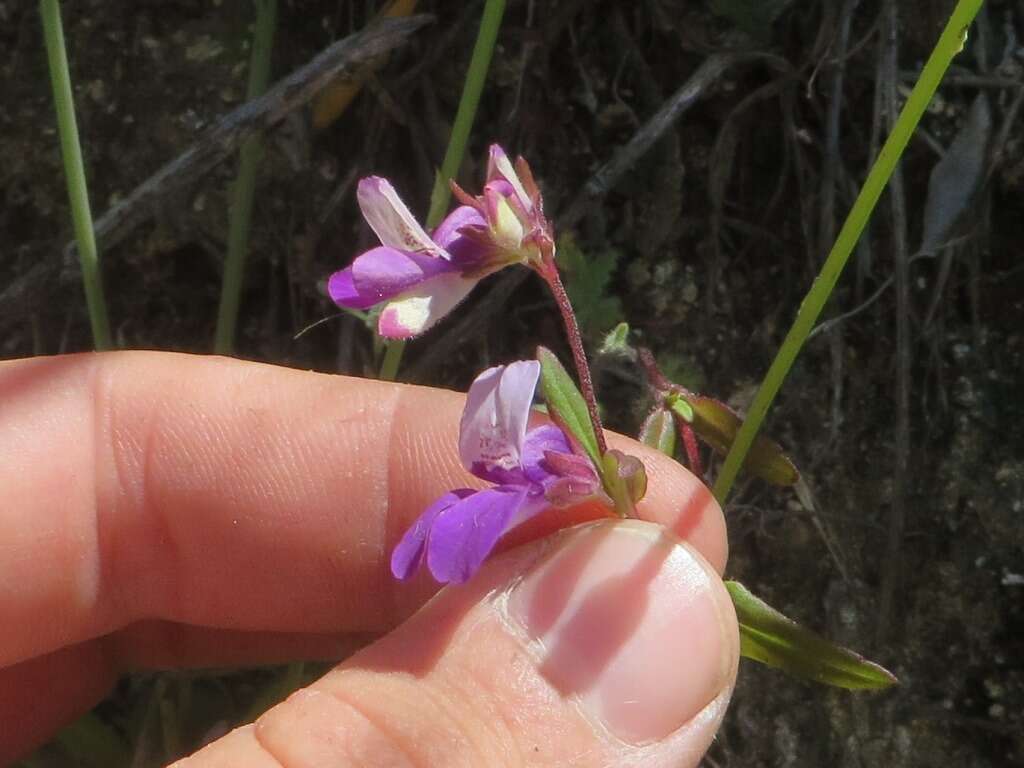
pixel 587 281
pixel 94 743
pixel 772 639
pixel 717 425
pixel 566 405
pixel 659 431
pixel 616 343
pixel 681 407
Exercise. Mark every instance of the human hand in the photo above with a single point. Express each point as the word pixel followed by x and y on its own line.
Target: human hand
pixel 168 510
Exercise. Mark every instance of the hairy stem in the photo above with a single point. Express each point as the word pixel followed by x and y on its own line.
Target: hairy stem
pixel 74 170
pixel 949 44
pixel 572 329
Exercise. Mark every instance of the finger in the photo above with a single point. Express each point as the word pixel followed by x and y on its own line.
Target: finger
pixel 227 494
pixel 39 695
pixel 612 644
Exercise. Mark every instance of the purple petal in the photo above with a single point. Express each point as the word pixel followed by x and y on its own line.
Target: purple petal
pixel 408 553
pixel 540 441
pixel 343 291
pixel 463 537
pixel 456 233
pixel 494 420
pixel 416 310
pixel 389 217
pixel 382 273
pixel 570 478
pixel 448 230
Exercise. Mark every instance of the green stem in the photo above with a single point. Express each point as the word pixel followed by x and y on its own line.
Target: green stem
pixel 392 360
pixel 74 170
pixel 473 86
pixel 950 43
pixel 243 191
pixel 479 64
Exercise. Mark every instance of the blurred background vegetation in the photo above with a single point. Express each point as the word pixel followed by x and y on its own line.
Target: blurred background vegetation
pixel 909 550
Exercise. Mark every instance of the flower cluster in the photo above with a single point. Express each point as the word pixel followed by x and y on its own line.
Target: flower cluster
pixel 420 277
pixel 531 470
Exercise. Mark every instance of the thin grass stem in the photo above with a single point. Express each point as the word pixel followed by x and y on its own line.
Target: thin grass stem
pixel 244 189
pixel 950 43
pixel 74 171
pixel 472 88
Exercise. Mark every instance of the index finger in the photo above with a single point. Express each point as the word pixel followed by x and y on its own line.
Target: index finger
pixel 228 494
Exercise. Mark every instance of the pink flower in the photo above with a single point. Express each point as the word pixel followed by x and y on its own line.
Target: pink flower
pixel 532 470
pixel 420 278
pixel 515 228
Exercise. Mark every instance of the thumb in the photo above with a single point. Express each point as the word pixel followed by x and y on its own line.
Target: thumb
pixel 609 644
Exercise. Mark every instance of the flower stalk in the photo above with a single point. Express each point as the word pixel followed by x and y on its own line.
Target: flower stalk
pixel 549 272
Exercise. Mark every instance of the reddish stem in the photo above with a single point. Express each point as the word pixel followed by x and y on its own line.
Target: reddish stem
pixel 656 378
pixel 549 271
pixel 692 448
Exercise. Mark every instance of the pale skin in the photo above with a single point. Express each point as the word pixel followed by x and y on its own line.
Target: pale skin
pixel 165 510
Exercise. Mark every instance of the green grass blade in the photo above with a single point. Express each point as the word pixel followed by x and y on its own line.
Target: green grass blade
pixel 476 76
pixel 244 190
pixel 74 170
pixel 950 43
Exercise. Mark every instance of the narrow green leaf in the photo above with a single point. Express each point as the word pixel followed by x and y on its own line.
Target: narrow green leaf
pixel 718 426
pixel 565 403
pixel 616 343
pixel 772 639
pixel 659 431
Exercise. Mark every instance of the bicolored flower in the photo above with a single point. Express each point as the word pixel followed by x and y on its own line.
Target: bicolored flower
pixel 531 470
pixel 420 278
pixel 515 230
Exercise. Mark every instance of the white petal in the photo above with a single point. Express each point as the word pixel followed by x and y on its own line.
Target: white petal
pixel 415 311
pixel 391 220
pixel 499 164
pixel 494 420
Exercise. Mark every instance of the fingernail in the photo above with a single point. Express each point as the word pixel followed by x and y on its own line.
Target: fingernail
pixel 628 620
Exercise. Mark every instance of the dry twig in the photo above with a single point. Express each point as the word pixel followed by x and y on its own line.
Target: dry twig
pixel 220 141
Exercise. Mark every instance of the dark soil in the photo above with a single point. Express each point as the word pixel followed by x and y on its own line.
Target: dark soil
pixel 715 234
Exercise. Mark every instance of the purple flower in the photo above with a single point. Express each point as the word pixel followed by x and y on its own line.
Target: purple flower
pixel 515 229
pixel 420 278
pixel 531 470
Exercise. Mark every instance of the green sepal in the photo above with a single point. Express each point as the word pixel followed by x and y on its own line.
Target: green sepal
pixel 566 405
pixel 624 479
pixel 777 641
pixel 659 431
